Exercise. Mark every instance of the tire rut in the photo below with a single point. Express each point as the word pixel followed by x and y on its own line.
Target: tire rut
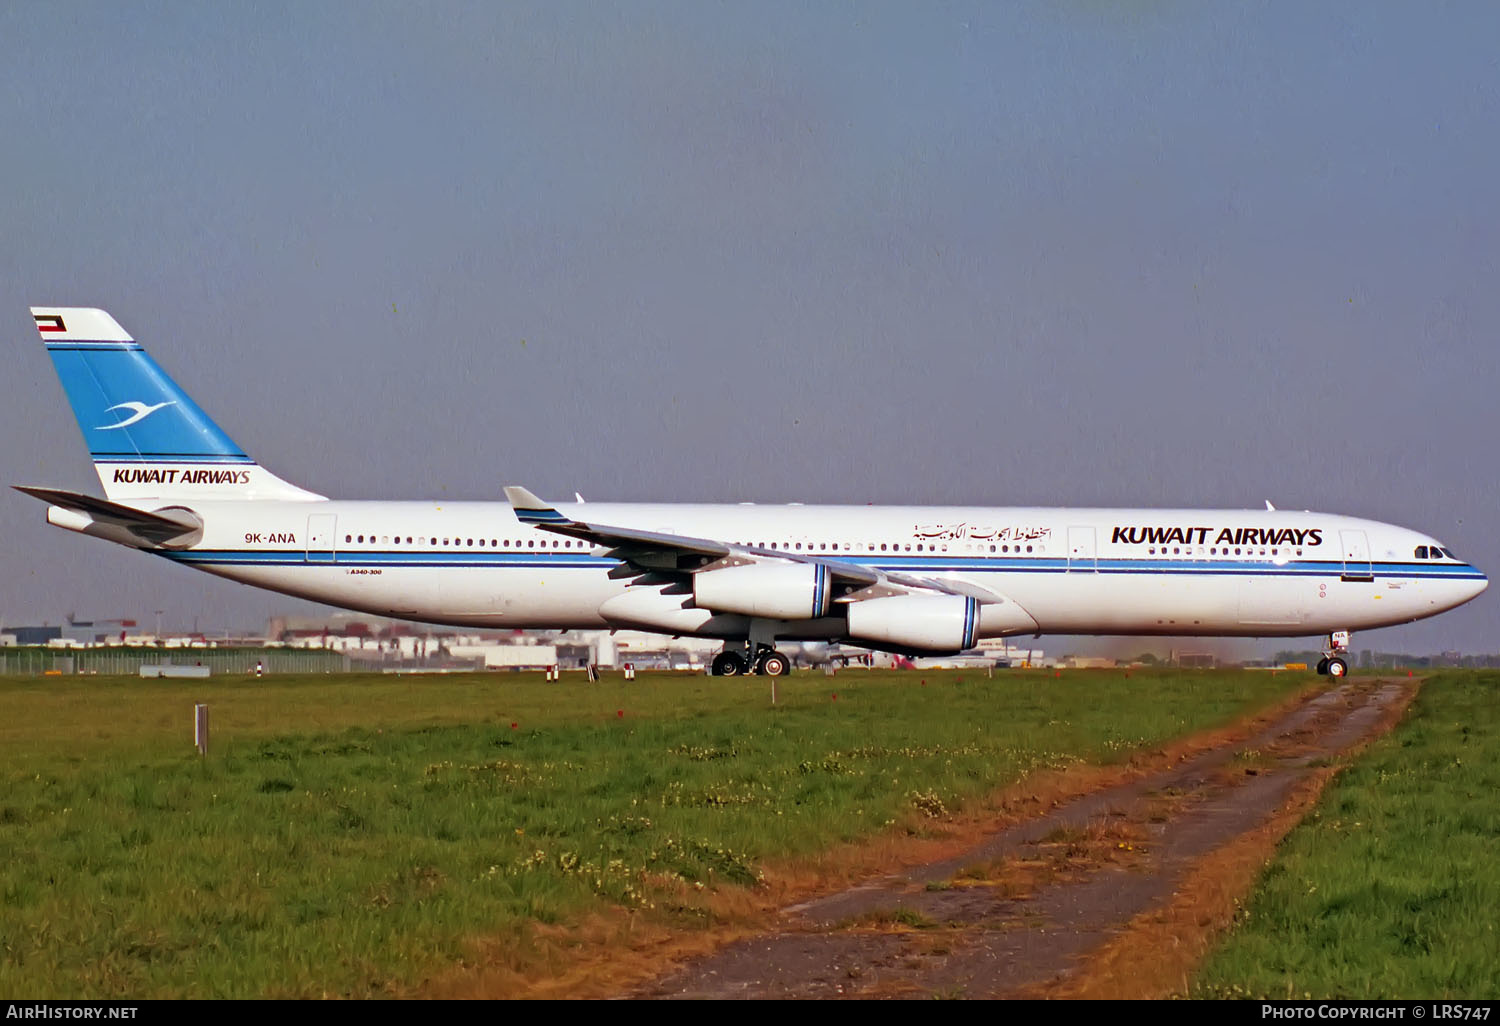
pixel 1022 909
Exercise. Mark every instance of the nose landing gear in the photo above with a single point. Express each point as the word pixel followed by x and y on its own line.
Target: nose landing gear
pixel 1334 662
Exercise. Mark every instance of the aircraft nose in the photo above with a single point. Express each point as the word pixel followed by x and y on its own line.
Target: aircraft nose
pixel 1472 587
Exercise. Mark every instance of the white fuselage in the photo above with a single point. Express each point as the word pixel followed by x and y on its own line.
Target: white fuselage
pixel 905 578
pixel 1073 571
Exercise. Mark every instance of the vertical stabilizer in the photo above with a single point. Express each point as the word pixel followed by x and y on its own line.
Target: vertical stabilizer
pixel 147 437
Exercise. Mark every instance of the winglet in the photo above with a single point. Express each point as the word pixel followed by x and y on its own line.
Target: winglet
pixel 531 510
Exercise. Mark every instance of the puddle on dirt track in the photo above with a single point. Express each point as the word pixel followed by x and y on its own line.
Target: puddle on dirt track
pixel 1024 912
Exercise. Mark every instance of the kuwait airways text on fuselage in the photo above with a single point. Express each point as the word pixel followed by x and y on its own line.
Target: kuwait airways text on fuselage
pixel 1225 536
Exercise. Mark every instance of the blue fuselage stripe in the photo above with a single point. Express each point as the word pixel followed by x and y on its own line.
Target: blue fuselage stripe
pixel 584 560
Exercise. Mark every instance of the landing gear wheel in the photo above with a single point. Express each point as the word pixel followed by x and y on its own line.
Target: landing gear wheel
pixel 1337 667
pixel 772 664
pixel 1323 665
pixel 728 664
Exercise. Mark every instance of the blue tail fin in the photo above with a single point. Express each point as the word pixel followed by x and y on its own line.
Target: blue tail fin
pixel 147 437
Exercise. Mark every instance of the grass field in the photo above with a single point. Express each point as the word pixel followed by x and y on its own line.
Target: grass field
pixel 1392 887
pixel 358 835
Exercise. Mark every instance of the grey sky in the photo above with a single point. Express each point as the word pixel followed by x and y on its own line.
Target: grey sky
pixel 1056 253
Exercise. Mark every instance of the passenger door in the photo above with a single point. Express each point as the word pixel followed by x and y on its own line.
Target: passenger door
pixel 1356 556
pixel 1082 556
pixel 320 537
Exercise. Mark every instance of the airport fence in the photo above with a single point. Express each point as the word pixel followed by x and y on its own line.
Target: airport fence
pixel 37 660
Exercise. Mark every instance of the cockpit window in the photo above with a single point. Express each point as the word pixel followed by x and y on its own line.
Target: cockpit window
pixel 1449 554
pixel 1421 552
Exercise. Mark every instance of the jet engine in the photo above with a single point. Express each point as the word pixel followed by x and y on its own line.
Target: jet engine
pixel 931 623
pixel 781 591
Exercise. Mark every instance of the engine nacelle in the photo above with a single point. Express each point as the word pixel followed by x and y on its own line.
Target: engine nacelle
pixel 932 623
pixel 780 591
pixel 650 609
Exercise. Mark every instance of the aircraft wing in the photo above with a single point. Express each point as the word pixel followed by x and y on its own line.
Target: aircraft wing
pixel 650 552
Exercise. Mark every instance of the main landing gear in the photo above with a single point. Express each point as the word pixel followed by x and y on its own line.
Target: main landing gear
pixel 1334 662
pixel 756 654
pixel 767 662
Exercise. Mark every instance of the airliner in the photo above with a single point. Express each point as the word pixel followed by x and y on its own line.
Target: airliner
pixel 916 580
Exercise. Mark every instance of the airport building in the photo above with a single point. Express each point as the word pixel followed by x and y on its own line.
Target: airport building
pixel 353 642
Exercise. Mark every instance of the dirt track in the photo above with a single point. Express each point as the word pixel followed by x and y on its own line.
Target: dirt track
pixel 1045 907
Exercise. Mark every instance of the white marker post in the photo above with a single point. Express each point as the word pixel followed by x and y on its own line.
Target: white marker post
pixel 200 728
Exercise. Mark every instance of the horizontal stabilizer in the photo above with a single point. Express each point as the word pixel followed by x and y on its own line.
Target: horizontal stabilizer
pixel 158 527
